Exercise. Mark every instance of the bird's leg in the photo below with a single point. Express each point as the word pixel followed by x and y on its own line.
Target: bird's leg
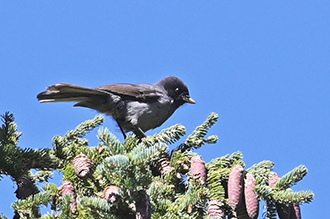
pixel 121 129
pixel 139 132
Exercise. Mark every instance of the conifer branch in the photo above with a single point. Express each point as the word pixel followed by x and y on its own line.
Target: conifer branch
pixel 42 176
pixel 193 196
pixel 291 178
pixel 117 161
pixel 261 167
pixel 264 192
pixel 141 154
pixel 271 210
pixel 94 204
pixel 110 141
pixel 130 142
pixel 225 161
pixel 71 144
pixel 168 136
pixel 196 139
pixel 8 130
pixel 25 207
pixel 2 216
pixel 214 178
pixel 127 180
pixel 288 197
pixel 181 161
pixel 261 171
pixel 51 215
pixel 82 129
pixel 16 161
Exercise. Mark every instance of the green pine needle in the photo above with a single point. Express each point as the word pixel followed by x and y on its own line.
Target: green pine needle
pixel 110 141
pixel 196 139
pixel 85 127
pixel 117 161
pixel 292 177
pixel 168 136
pixel 94 204
pixel 288 197
pixel 142 154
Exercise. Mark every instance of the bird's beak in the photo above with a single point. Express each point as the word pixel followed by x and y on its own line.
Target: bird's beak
pixel 188 99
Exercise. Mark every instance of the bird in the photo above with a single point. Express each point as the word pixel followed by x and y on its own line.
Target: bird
pixel 136 108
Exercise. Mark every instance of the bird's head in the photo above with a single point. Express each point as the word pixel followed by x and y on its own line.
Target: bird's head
pixel 177 90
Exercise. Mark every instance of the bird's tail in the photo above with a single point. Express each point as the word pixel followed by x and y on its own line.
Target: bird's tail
pixel 71 93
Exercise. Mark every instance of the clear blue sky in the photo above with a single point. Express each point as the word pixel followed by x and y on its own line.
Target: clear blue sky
pixel 263 66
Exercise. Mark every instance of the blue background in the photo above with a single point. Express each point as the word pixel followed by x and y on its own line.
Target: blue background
pixel 263 66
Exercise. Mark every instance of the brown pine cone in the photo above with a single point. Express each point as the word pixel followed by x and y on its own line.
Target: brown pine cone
pixel 164 166
pixel 111 194
pixel 82 165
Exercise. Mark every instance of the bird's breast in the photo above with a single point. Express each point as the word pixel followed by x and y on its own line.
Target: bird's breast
pixel 149 115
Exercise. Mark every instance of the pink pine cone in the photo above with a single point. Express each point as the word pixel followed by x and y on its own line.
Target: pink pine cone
pixel 251 201
pixel 235 186
pixel 216 209
pixel 67 188
pixel 198 169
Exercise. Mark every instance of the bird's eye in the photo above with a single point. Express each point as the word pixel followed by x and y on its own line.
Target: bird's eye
pixel 177 90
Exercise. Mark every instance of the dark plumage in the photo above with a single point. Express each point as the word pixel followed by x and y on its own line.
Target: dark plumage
pixel 136 108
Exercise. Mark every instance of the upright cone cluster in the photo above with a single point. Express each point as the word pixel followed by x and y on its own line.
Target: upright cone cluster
pixel 67 188
pixel 241 194
pixel 82 165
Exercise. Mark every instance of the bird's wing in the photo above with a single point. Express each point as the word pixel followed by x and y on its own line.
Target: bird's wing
pixel 133 91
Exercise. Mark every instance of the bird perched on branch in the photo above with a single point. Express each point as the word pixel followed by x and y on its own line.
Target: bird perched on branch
pixel 137 108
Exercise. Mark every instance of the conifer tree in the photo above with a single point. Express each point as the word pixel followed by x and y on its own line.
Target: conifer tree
pixel 142 178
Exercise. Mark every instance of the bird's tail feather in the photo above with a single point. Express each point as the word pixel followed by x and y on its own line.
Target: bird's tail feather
pixel 69 93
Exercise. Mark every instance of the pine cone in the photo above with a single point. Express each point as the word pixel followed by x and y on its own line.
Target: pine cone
pixel 291 211
pixel 251 201
pixel 82 165
pixel 198 169
pixel 273 180
pixel 111 194
pixel 67 188
pixel 216 209
pixel 143 206
pixel 164 165
pixel 283 211
pixel 235 186
pixel 296 213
